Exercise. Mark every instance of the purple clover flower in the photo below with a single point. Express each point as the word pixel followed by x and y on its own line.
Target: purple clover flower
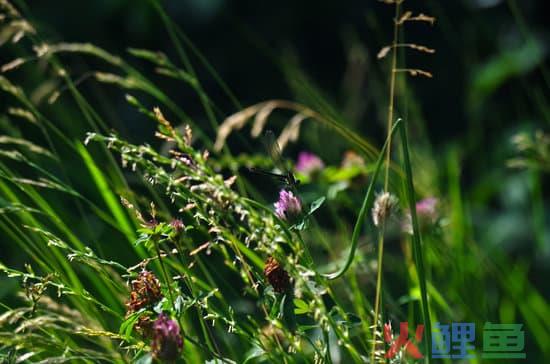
pixel 288 207
pixel 167 341
pixel 427 209
pixel 308 163
pixel 427 212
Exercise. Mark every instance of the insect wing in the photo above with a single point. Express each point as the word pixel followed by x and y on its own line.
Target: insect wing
pixel 274 151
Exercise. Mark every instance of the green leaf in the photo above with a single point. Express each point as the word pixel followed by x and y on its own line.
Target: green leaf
pixel 303 224
pixel 127 325
pixel 316 204
pixel 352 320
pixel 343 173
pixel 145 359
pixel 301 306
pixel 254 353
pixel 111 200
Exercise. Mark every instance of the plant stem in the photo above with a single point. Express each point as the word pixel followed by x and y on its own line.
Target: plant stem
pixel 386 177
pixel 392 94
pixel 378 288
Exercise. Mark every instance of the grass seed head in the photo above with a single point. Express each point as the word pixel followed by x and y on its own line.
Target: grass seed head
pixel 384 205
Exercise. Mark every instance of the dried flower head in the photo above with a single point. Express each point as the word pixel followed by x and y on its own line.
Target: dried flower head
pixel 145 291
pixel 144 326
pixel 276 275
pixel 167 341
pixel 288 207
pixel 384 206
pixel 309 163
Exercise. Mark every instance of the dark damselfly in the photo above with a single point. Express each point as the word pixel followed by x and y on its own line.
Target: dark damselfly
pixel 286 177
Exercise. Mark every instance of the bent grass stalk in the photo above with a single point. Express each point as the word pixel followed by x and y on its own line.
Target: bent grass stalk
pixel 367 202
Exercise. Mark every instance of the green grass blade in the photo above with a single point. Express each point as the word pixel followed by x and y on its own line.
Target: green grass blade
pixel 416 240
pixel 108 195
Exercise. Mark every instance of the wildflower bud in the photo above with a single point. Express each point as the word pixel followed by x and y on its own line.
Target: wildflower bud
pixel 177 225
pixel 167 341
pixel 384 205
pixel 288 207
pixel 276 275
pixel 308 163
pixel 145 291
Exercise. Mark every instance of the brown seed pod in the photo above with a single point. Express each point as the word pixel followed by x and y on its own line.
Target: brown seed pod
pixel 276 275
